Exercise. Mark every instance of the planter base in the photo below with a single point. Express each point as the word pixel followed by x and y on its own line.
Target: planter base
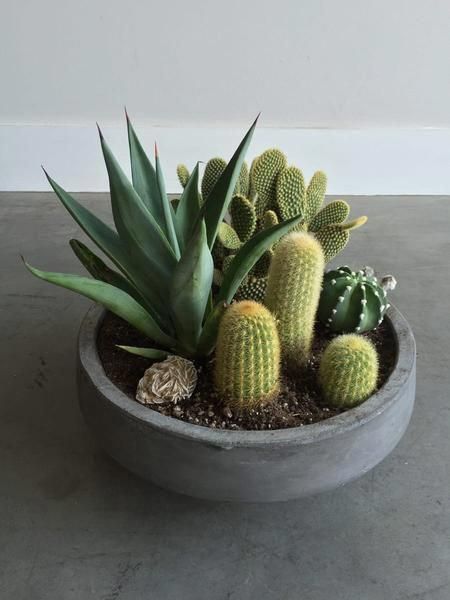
pixel 249 466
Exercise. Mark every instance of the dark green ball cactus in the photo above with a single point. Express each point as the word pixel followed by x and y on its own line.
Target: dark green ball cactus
pixel 348 370
pixel 254 288
pixel 351 301
pixel 247 361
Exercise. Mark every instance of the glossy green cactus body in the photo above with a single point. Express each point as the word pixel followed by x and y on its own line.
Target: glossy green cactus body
pixel 348 370
pixel 351 301
pixel 293 291
pixel 247 356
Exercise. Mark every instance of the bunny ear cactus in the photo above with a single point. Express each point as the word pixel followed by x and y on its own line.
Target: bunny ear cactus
pixel 163 274
pixel 293 291
pixel 183 175
pixel 348 370
pixel 243 217
pixel 263 179
pixel 213 171
pixel 351 301
pixel 247 356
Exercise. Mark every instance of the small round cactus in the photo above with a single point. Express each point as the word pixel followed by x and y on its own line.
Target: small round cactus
pixel 247 356
pixel 351 301
pixel 348 370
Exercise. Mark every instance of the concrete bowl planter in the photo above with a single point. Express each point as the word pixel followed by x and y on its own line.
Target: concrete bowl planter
pixel 246 466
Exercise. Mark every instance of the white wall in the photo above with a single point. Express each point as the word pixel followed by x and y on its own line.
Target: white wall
pixel 303 63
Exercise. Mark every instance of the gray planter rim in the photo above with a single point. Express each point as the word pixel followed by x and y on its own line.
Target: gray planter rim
pixel 227 439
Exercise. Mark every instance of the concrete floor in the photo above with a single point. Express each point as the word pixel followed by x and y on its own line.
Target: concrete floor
pixel 74 525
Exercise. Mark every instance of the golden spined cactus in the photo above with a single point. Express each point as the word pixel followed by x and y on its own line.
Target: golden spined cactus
pixel 293 292
pixel 247 362
pixel 348 370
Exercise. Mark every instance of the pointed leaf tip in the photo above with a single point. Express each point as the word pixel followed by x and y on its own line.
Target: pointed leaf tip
pixel 126 113
pixel 156 150
pixel 100 132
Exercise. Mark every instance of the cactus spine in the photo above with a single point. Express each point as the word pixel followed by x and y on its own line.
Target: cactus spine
pixel 293 291
pixel 247 356
pixel 348 370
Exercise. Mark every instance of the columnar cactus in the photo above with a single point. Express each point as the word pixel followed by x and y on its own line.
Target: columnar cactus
pixel 293 291
pixel 351 301
pixel 247 356
pixel 348 370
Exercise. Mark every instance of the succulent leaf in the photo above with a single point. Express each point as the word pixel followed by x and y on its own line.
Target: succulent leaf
pixel 188 209
pixel 114 299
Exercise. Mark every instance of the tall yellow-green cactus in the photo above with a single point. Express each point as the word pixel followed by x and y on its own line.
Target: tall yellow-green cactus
pixel 293 292
pixel 247 356
pixel 348 370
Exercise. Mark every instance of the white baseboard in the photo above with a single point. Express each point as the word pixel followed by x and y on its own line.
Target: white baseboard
pixel 366 161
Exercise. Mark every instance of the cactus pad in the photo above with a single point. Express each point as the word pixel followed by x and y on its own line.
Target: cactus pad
pixel 334 212
pixel 243 217
pixel 263 178
pixel 290 193
pixel 247 356
pixel 333 240
pixel 183 175
pixel 351 301
pixel 315 195
pixel 213 170
pixel 270 219
pixel 228 237
pixel 348 370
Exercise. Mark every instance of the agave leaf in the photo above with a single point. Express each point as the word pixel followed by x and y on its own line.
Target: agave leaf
pixel 188 209
pixel 152 353
pixel 136 226
pixel 249 254
pixel 109 242
pixel 208 336
pixel 216 205
pixel 144 176
pixel 99 270
pixel 191 287
pixel 169 213
pixel 114 299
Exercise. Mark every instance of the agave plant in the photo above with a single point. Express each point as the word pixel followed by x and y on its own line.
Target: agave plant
pixel 162 284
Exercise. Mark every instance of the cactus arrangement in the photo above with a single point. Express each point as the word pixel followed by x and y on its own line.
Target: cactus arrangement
pixel 162 280
pixel 270 193
pixel 231 277
pixel 348 370
pixel 352 301
pixel 247 356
